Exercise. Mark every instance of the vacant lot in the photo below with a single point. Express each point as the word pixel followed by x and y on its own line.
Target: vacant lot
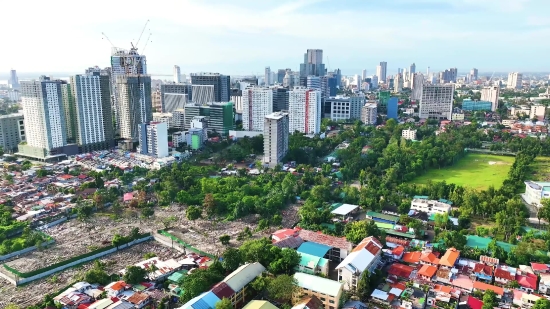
pixel 540 169
pixel 478 171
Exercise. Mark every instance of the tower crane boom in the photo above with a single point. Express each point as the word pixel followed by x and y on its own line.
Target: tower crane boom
pixel 137 43
pixel 106 37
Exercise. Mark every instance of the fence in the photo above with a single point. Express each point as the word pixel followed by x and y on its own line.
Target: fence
pixel 186 245
pixel 26 250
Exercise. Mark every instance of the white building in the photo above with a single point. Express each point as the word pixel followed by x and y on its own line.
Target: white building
pixel 153 139
pixel 437 101
pixel 275 138
pixel 345 108
pixel 267 76
pixel 365 257
pixel 14 95
pixel 381 71
pixel 491 94
pixel 417 83
pixel 257 103
pixel 304 107
pixel 535 191
pixel 167 118
pixel 430 206
pixel 358 81
pixel 177 74
pixel 369 113
pixel 515 80
pixel 409 134
pixel 537 111
pixel 398 83
pixel 178 118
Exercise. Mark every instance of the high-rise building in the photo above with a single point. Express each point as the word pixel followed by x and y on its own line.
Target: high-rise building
pixel 374 82
pixel 93 120
pixel 267 76
pixel 276 131
pixel 69 110
pixel 44 118
pixel 473 75
pixel 515 80
pixel 437 101
pixel 257 103
pixel 357 80
pixel 314 82
pixel 369 113
pixel 203 94
pixel 363 75
pixel 237 99
pixel 12 131
pixel 174 96
pixel 491 94
pixel 221 83
pixel 221 116
pixel 382 70
pixel 134 97
pixel 13 81
pixel 417 83
pixel 398 83
pixel 177 74
pixel 280 76
pixel 280 99
pixel 345 108
pixel 156 100
pixel 412 68
pixel 392 108
pixel 338 76
pixel 304 106
pixel 454 74
pixel 313 63
pixel 153 139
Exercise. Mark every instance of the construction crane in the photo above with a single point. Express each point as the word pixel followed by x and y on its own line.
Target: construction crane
pixel 137 43
pixel 143 50
pixel 106 37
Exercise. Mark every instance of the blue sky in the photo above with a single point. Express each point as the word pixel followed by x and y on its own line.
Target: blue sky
pixel 242 37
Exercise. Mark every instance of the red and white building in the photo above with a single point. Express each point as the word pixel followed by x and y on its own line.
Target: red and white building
pixel 257 103
pixel 304 108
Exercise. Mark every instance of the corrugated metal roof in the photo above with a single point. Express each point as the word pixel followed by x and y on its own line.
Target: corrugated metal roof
pixel 290 242
pixel 244 275
pixel 222 290
pixel 319 284
pixel 259 304
pixel 206 300
pixel 313 248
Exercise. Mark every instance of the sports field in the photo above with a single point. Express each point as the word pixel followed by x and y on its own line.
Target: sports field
pixel 540 169
pixel 475 170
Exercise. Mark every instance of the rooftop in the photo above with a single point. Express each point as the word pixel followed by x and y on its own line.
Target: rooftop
pixel 319 284
pixel 259 304
pixel 313 249
pixel 320 238
pixel 478 285
pixel 238 279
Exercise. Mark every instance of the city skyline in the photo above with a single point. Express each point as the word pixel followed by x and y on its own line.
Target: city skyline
pixel 281 43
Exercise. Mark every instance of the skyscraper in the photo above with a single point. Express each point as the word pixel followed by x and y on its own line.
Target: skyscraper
pixel 304 106
pixel 398 83
pixel 363 75
pixel 280 76
pixel 417 83
pixel 134 97
pixel 267 76
pixel 473 74
pixel 13 81
pixel 257 103
pixel 314 82
pixel 153 139
pixel 69 109
pixel 313 63
pixel 221 83
pixel 515 80
pixel 276 130
pixel 381 71
pixel 437 101
pixel 177 74
pixel 280 99
pixel 491 94
pixel 412 69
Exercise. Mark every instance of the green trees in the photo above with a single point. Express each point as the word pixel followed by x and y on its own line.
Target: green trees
pixel 199 281
pixel 490 300
pixel 193 213
pixel 224 239
pixel 542 303
pixel 225 303
pixel 97 274
pixel 282 288
pixel 231 259
pixel 358 230
pixel 363 287
pixel 134 274
pixel 277 260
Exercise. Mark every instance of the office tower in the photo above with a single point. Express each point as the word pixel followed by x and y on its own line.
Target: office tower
pixel 276 131
pixel 203 94
pixel 44 117
pixel 492 94
pixel 381 71
pixel 405 75
pixel 304 106
pixel 287 80
pixel 338 76
pixel 267 76
pixel 314 82
pixel 369 114
pixel 174 96
pixel 221 83
pixel 374 82
pixel 473 75
pixel 237 99
pixel 221 116
pixel 392 108
pixel 398 83
pixel 280 99
pixel 417 83
pixel 437 101
pixel 515 80
pixel 384 97
pixel 345 108
pixel 12 131
pixel 257 102
pixel 134 97
pixel 153 139
pixel 177 74
pixel 363 75
pixel 280 76
pixel 453 74
pixel 357 80
pixel 328 85
pixel 412 68
pixel 313 63
pixel 13 81
pixel 399 70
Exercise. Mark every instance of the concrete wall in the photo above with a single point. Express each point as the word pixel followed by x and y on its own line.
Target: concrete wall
pixel 24 251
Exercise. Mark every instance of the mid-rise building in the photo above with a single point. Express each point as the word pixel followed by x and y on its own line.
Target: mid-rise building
pixel 304 106
pixel 257 103
pixel 156 100
pixel 437 101
pixel 177 74
pixel 12 131
pixel 14 95
pixel 409 134
pixel 167 118
pixel 153 139
pixel 537 111
pixel 369 113
pixel 328 291
pixel 382 70
pixel 491 94
pixel 535 191
pixel 392 107
pixel 473 75
pixel 237 99
pixel 220 82
pixel 93 120
pixel 515 80
pixel 280 76
pixel 345 108
pixel 220 116
pixel 178 118
pixel 430 206
pixel 471 105
pixel 398 83
pixel 362 261
pixel 417 83
pixel 275 138
pixel 134 98
pixel 176 95
pixel 203 94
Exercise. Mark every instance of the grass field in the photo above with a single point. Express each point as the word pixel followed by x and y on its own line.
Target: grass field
pixel 540 169
pixel 475 170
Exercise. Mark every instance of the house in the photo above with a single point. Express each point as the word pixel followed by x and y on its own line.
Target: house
pixel 411 257
pixel 354 304
pixel 529 300
pixel 400 271
pixel 290 242
pixel 527 282
pixel 421 203
pixel 449 258
pixel 139 300
pixel 311 264
pixel 326 290
pixel 444 275
pixel 206 300
pixel 82 287
pixel 426 272
pixel 483 272
pixel 539 268
pixel 387 298
pixel 73 299
pixel 544 284
pixel 481 286
pixel 429 258
pixel 365 257
pixel 259 304
pixel 395 253
pixel 464 283
pixel 504 274
pixel 309 302
pixel 116 288
pixel 474 303
pixel 240 278
pixel 121 304
pixel 393 242
pixel 283 234
pixel 102 303
pixel 314 249
pixel 340 247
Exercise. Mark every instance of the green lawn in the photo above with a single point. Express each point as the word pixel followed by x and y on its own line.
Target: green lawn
pixel 475 170
pixel 540 169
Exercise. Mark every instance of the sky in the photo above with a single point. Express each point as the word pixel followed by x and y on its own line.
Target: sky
pixel 243 37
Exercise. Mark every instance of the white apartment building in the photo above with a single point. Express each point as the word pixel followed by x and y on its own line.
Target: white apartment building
pixel 304 107
pixel 365 257
pixel 409 134
pixel 515 80
pixel 346 108
pixel 153 139
pixel 177 74
pixel 167 118
pixel 430 206
pixel 491 94
pixel 535 191
pixel 178 118
pixel 275 138
pixel 398 83
pixel 369 113
pixel 257 103
pixel 437 101
pixel 537 111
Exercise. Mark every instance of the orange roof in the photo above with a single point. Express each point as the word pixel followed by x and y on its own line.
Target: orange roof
pixel 117 286
pixel 371 244
pixel 442 288
pixel 400 270
pixel 66 177
pixel 450 257
pixel 427 271
pixel 398 250
pixel 429 257
pixel 484 287
pixel 411 257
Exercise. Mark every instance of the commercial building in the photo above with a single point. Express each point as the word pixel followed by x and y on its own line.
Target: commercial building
pixel 537 111
pixel 280 99
pixel 14 95
pixel 174 96
pixel 237 99
pixel 314 82
pixel 369 113
pixel 177 74
pixel 398 83
pixel 393 103
pixel 178 118
pixel 135 106
pixel 430 206
pixel 382 70
pixel 437 101
pixel 474 76
pixel 304 106
pixel 280 76
pixel 313 64
pixel 276 132
pixel 515 80
pixel 345 108
pixel 220 82
pixel 535 191
pixel 417 83
pixel 257 103
pixel 203 94
pixel 167 118
pixel 220 116
pixel 12 131
pixel 13 81
pixel 153 139
pixel 328 291
pixel 267 76
pixel 471 105
pixel 93 119
pixel 491 94
pixel 408 134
